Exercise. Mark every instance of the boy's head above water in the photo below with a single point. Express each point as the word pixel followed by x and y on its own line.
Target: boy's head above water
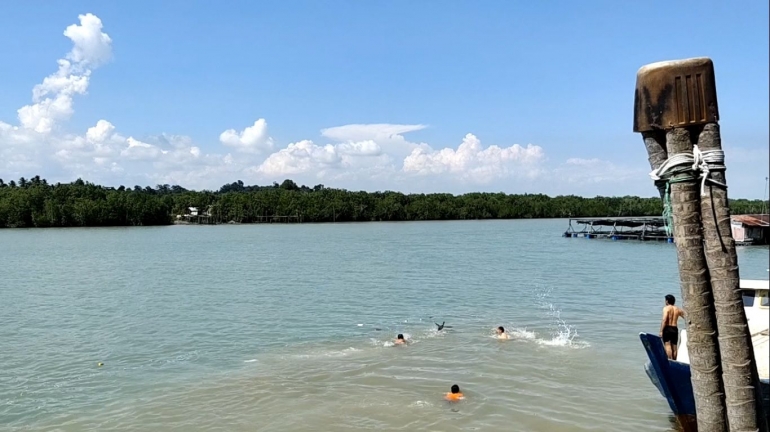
pixel 454 394
pixel 500 329
pixel 400 337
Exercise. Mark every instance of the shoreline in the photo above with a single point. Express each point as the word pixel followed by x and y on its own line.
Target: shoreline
pixel 38 204
pixel 232 223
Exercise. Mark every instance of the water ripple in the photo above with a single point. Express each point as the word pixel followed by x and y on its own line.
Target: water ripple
pixel 290 328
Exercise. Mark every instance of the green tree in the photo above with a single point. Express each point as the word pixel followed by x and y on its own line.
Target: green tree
pixel 40 204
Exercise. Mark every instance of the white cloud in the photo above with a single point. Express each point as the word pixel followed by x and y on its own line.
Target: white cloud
pixel 327 161
pixel 53 97
pixel 100 132
pixel 361 148
pixel 359 155
pixel 377 131
pixel 253 139
pixel 374 156
pixel 388 136
pixel 472 162
pixel 92 46
pixel 138 150
pixel 300 157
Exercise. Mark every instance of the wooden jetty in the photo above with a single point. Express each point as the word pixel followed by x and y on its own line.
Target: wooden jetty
pixel 620 228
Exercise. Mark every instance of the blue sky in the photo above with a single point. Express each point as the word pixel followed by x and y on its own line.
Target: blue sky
pixel 556 78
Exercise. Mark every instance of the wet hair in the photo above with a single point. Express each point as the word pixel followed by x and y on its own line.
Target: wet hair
pixel 455 388
pixel 501 329
pixel 400 336
pixel 670 299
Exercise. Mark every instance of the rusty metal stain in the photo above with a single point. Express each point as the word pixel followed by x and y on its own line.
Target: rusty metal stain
pixel 675 93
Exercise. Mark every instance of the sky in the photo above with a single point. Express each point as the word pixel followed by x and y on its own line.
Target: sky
pixel 456 96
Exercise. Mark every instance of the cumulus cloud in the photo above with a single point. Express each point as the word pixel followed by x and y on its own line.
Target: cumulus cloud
pixel 474 163
pixel 300 157
pixel 358 154
pixel 52 99
pixel 253 139
pixel 363 152
pixel 92 46
pixel 100 132
pixel 328 161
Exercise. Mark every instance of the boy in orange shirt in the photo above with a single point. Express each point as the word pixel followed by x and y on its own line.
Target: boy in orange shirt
pixel 454 395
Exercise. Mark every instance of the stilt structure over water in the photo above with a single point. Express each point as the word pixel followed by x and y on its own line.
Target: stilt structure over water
pixel 620 228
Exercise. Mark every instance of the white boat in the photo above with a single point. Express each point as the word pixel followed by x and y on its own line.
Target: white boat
pixel 756 303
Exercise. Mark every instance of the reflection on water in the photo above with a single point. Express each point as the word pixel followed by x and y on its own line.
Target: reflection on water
pixel 290 328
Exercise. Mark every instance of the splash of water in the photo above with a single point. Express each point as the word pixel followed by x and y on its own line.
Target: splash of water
pixel 519 333
pixel 562 334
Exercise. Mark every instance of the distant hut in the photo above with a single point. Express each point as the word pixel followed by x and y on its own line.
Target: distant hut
pixel 751 229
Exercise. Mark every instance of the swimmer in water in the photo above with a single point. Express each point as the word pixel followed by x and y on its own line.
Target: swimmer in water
pixel 440 326
pixel 400 340
pixel 454 394
pixel 501 334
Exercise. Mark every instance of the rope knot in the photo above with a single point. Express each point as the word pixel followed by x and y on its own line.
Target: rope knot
pixel 683 167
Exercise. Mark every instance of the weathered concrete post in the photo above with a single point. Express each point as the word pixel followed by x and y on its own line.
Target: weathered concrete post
pixel 739 367
pixel 654 106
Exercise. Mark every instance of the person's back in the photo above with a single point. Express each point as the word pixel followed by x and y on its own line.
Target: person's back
pixel 669 332
pixel 400 340
pixel 672 314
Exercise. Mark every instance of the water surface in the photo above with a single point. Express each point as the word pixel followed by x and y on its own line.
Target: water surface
pixel 289 327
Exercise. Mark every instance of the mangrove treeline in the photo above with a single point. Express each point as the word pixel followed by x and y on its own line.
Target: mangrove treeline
pixel 36 203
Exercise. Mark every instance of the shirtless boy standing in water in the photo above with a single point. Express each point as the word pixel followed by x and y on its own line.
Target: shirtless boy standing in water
pixel 669 332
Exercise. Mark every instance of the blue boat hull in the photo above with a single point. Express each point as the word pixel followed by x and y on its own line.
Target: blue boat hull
pixel 672 379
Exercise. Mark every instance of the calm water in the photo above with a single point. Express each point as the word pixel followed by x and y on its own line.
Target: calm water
pixel 275 328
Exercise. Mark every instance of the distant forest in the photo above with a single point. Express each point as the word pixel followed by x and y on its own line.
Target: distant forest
pixel 36 203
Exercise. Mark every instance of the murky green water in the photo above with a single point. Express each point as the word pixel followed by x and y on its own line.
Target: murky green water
pixel 275 328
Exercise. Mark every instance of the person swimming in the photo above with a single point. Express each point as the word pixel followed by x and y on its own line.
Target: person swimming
pixel 400 340
pixel 440 326
pixel 454 394
pixel 501 334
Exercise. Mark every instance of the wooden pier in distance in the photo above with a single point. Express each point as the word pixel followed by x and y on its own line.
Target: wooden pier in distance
pixel 620 228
